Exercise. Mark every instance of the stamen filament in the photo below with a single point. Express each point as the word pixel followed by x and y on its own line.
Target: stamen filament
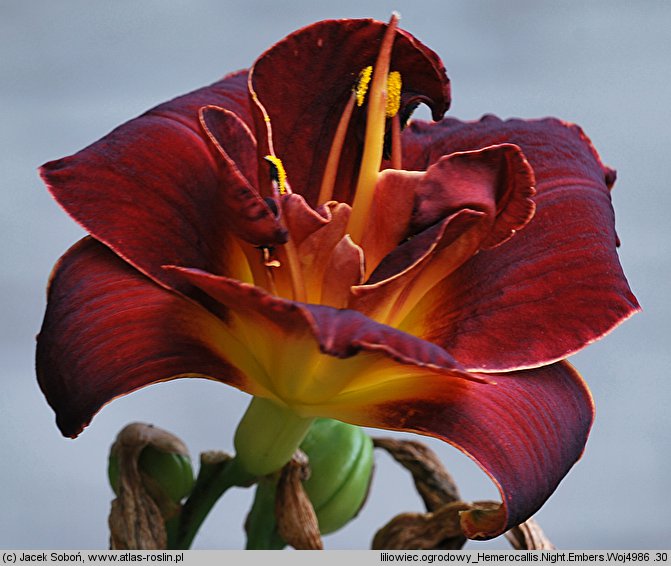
pixel 272 288
pixel 396 154
pixel 292 262
pixel 331 169
pixel 374 137
pixel 260 273
pixel 283 272
pixel 270 263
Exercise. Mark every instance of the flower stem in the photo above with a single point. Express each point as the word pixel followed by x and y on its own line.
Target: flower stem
pixel 267 437
pixel 261 524
pixel 216 475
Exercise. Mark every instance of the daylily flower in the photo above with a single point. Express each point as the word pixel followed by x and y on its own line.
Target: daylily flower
pixel 283 232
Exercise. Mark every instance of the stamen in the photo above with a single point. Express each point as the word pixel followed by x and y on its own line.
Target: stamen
pixel 261 274
pixel 359 95
pixel 283 266
pixel 393 94
pixel 289 257
pixel 269 260
pixel 361 87
pixel 393 106
pixel 277 173
pixel 269 265
pixel 331 169
pixel 396 155
pixel 374 137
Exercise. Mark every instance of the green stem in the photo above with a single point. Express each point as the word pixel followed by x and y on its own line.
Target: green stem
pixel 265 440
pixel 261 524
pixel 214 478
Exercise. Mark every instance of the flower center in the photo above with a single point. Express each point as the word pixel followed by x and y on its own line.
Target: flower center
pixel 381 89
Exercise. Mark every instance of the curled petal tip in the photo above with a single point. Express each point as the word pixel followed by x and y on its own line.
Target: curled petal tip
pixel 483 522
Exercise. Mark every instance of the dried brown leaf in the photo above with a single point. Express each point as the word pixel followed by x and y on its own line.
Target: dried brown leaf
pixel 529 536
pixel 135 521
pixel 433 482
pixel 440 528
pixel 296 518
pixel 421 531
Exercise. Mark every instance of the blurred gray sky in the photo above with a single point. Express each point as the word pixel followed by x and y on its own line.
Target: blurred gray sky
pixel 71 70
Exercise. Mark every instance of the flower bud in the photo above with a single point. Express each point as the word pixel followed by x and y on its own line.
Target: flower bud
pixel 341 464
pixel 150 472
pixel 172 471
pixel 165 467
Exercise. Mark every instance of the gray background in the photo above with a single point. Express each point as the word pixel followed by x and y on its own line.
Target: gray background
pixel 72 70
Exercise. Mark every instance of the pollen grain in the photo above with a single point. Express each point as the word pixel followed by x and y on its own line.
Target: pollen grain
pixel 279 175
pixel 393 94
pixel 361 87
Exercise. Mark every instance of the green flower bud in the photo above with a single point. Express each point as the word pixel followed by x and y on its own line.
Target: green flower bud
pixel 113 472
pixel 171 471
pixel 341 464
pixel 162 460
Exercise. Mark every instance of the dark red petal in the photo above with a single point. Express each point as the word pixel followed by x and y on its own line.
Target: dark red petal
pixel 243 210
pixel 525 430
pixel 558 284
pixel 329 264
pixel 407 274
pixel 344 270
pixel 390 214
pixel 495 184
pixel 339 332
pixel 230 93
pixel 233 140
pixel 304 81
pixel 108 330
pixel 465 202
pixel 496 180
pixel 301 219
pixel 156 191
pixel 311 354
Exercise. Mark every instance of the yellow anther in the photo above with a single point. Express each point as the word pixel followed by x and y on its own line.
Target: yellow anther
pixel 277 172
pixel 393 93
pixel 361 87
pixel 269 260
